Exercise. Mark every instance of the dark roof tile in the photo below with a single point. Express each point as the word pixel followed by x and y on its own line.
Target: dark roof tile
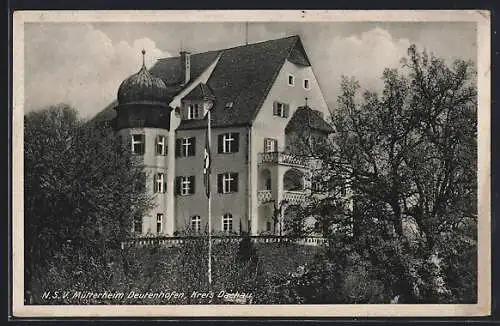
pixel 201 91
pixel 243 76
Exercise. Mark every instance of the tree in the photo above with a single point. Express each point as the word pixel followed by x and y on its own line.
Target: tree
pixel 409 157
pixel 80 200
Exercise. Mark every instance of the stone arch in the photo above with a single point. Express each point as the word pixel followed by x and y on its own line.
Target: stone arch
pixel 265 182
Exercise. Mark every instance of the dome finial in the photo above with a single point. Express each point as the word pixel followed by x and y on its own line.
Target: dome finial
pixel 143 54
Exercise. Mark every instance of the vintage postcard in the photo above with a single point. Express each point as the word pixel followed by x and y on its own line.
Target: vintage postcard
pixel 251 163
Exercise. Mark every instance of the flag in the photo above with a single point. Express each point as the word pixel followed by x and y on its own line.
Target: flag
pixel 207 161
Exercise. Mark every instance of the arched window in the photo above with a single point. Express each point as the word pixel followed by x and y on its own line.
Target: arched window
pixel 196 223
pixel 227 222
pixel 265 180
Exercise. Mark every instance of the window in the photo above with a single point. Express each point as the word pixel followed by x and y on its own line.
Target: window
pixel 161 145
pixel 291 80
pixel 185 147
pixel 268 183
pixel 138 144
pixel 159 223
pixel 184 185
pixel 306 84
pixel 138 224
pixel 193 111
pixel 227 222
pixel 196 223
pixel 280 109
pixel 228 143
pixel 227 183
pixel 268 226
pixel 229 105
pixel 160 183
pixel 270 145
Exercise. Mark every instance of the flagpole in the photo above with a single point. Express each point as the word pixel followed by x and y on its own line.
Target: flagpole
pixel 209 212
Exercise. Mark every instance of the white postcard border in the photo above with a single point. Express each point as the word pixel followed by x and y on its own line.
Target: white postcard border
pixel 483 306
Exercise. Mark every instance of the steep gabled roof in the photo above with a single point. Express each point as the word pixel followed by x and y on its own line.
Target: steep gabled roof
pixel 243 77
pixel 170 70
pixel 307 118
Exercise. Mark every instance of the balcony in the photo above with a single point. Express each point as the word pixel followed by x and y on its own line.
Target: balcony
pixel 264 196
pixel 294 197
pixel 285 159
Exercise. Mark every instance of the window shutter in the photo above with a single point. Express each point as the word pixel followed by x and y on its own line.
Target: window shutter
pixel 155 186
pixel 220 143
pixel 192 185
pixel 192 147
pixel 286 110
pixel 178 185
pixel 234 186
pixel 164 183
pixel 219 183
pixel 265 145
pixel 178 143
pixel 275 108
pixel 275 145
pixel 236 146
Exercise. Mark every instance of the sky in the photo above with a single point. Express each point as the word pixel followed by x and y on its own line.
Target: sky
pixel 83 64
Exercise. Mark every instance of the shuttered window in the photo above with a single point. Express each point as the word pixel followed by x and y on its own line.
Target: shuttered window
pixel 227 183
pixel 184 185
pixel 228 142
pixel 185 147
pixel 160 183
pixel 281 109
pixel 270 145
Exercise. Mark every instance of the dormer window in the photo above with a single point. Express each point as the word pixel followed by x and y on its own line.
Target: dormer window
pixel 291 80
pixel 193 111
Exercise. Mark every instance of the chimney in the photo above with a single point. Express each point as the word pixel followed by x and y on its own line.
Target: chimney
pixel 186 66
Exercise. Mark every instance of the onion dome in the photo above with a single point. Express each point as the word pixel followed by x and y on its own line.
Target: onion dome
pixel 142 88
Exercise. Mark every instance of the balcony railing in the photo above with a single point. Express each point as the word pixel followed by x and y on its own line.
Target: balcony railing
pixel 264 196
pixel 285 159
pixel 294 197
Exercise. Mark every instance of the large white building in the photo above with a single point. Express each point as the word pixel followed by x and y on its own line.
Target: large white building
pixel 261 97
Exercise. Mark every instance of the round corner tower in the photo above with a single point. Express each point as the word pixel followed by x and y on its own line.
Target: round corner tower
pixel 143 121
